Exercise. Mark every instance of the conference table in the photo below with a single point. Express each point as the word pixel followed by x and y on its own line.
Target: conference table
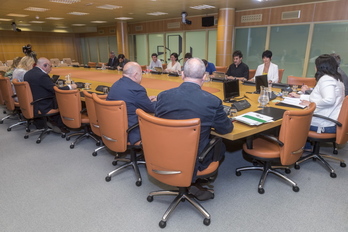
pixel 156 83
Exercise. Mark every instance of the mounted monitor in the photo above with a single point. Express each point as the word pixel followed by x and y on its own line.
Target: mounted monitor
pixel 208 21
pixel 261 80
pixel 231 90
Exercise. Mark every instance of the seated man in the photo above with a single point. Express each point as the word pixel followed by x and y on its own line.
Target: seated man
pixel 190 101
pixel 121 61
pixel 129 90
pixel 41 87
pixel 112 61
pixel 155 62
pixel 238 70
pixel 209 67
pixel 186 57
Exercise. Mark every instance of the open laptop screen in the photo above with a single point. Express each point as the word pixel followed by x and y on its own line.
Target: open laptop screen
pixel 231 90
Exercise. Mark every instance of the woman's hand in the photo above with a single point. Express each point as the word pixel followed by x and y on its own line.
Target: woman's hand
pixel 293 94
pixel 305 102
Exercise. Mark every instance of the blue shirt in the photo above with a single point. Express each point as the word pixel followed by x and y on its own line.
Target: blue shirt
pixel 210 68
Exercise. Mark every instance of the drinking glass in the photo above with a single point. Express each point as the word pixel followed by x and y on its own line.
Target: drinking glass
pixel 294 88
pixel 105 90
pixel 264 97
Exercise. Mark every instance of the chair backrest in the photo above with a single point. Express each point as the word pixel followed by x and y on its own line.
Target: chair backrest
pixel 113 123
pixel 170 148
pixel 294 132
pixel 55 62
pixel 92 64
pixel 7 92
pixel 280 75
pixel 25 97
pixel 252 73
pixel 342 132
pixel 310 81
pixel 164 66
pixel 69 104
pixel 221 68
pixel 67 61
pixel 92 114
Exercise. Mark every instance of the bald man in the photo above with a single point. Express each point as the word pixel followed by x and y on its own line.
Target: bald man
pixel 128 89
pixel 42 87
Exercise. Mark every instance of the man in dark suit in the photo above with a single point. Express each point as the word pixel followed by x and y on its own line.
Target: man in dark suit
pixel 42 87
pixel 112 63
pixel 129 90
pixel 190 101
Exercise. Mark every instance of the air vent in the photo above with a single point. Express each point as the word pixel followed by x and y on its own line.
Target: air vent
pixel 101 31
pixel 251 18
pixel 112 31
pixel 139 28
pixel 291 15
pixel 173 25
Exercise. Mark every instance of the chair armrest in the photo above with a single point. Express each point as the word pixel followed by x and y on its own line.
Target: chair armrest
pixel 213 143
pixel 329 119
pixel 40 99
pixel 249 141
pixel 132 127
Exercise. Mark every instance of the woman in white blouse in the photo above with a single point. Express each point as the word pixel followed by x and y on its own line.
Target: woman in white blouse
pixel 268 68
pixel 173 65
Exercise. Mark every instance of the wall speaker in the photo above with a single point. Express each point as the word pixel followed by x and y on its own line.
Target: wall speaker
pixel 208 21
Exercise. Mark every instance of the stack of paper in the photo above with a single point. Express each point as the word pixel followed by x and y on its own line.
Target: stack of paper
pixel 293 101
pixel 253 118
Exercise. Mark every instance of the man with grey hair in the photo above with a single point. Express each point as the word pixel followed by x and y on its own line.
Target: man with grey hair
pixel 190 101
pixel 129 90
pixel 112 63
pixel 340 71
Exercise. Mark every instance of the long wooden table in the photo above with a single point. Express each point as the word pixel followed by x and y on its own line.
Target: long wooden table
pixel 155 84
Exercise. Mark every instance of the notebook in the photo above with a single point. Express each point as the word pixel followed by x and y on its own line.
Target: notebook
pixel 218 76
pixel 55 78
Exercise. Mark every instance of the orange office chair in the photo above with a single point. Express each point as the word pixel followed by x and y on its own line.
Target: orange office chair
pixel 310 81
pixel 164 66
pixel 170 149
pixel 2 102
pixel 221 68
pixel 340 137
pixel 252 73
pixel 285 150
pixel 26 104
pixel 92 115
pixel 280 75
pixel 69 104
pixel 113 125
pixel 92 64
pixel 11 105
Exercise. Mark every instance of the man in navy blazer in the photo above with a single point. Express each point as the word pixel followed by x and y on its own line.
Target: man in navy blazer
pixel 129 90
pixel 42 87
pixel 112 60
pixel 190 101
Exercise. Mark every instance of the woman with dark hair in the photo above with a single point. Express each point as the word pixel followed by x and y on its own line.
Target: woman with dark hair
pixel 328 94
pixel 268 68
pixel 173 65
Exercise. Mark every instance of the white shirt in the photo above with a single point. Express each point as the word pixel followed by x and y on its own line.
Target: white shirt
pixel 158 63
pixel 273 73
pixel 176 67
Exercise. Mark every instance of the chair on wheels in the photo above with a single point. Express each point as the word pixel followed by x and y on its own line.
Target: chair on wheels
pixel 283 151
pixel 92 115
pixel 113 125
pixel 11 105
pixel 170 150
pixel 221 68
pixel 310 81
pixel 340 137
pixel 252 73
pixel 69 104
pixel 280 75
pixel 26 104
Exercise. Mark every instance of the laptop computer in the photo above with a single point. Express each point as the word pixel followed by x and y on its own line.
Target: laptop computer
pixel 218 76
pixel 55 78
pixel 158 69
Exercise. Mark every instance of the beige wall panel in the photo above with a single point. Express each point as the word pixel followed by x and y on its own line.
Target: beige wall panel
pixel 169 22
pixel 265 17
pixel 327 11
pixel 155 26
pixel 306 14
pixel 137 28
pixel 101 31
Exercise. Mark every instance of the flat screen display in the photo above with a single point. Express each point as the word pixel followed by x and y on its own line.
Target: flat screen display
pixel 231 90
pixel 261 80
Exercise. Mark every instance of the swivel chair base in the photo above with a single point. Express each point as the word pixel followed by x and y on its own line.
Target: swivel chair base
pixel 81 135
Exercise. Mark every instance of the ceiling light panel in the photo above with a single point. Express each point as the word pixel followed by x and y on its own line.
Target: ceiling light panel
pixel 78 13
pixel 65 1
pixel 36 21
pixel 202 7
pixel 78 25
pixel 6 20
pixel 17 15
pixel 98 21
pixel 109 7
pixel 38 9
pixel 54 18
pixel 123 18
pixel 156 13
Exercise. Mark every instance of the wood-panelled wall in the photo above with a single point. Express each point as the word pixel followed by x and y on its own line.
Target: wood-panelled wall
pixel 45 44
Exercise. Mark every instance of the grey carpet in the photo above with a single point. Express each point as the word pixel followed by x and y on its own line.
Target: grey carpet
pixel 50 187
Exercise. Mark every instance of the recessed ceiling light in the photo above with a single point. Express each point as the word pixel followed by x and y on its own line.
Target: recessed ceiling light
pixel 36 9
pixel 109 7
pixel 65 1
pixel 61 27
pixel 36 21
pixel 78 25
pixel 156 13
pixel 6 20
pixel 24 24
pixel 54 18
pixel 123 18
pixel 202 7
pixel 78 13
pixel 17 15
pixel 98 21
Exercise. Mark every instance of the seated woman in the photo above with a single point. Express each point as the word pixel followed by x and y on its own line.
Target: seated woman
pixel 268 68
pixel 14 65
pixel 24 65
pixel 328 94
pixel 173 65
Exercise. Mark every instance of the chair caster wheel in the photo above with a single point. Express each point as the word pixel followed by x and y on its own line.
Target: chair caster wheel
pixel 27 130
pixel 1 122
pixel 38 141
pixel 343 165
pixel 162 224
pixel 335 152
pixel 261 190
pixel 26 136
pixel 333 175
pixel 97 144
pixel 67 138
pixel 149 198
pixel 63 136
pixel 238 173
pixel 94 153
pixel 72 146
pixel 138 183
pixel 8 129
pixel 287 171
pixel 108 178
pixel 114 162
pixel 297 166
pixel 206 221
pixel 295 188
